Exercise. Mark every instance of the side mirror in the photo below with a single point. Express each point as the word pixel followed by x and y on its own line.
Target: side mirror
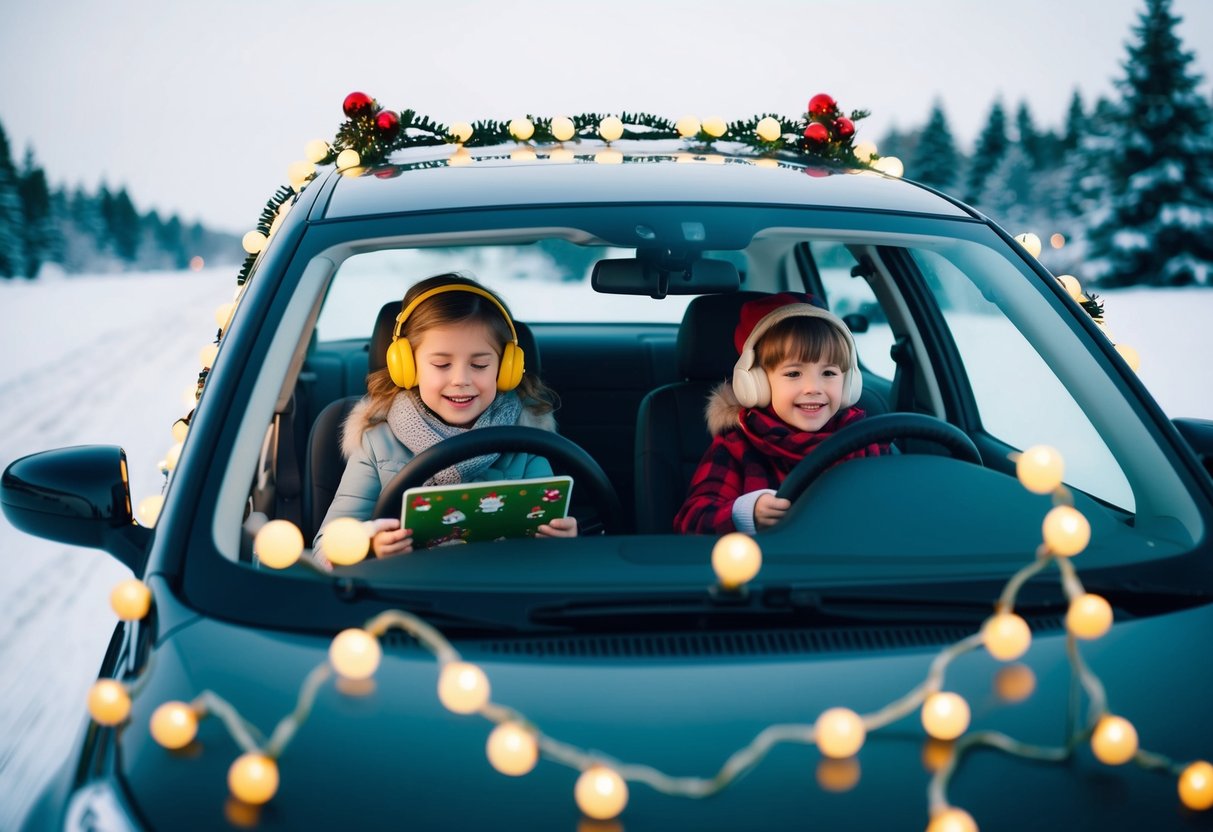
pixel 80 496
pixel 1198 433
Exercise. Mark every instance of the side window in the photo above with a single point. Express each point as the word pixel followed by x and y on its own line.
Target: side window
pixel 848 295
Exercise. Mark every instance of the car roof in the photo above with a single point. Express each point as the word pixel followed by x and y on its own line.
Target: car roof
pixel 447 178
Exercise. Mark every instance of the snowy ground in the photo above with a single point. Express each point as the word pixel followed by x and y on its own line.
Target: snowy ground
pixel 105 360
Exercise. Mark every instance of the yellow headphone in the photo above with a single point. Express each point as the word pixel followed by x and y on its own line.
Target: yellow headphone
pixel 402 366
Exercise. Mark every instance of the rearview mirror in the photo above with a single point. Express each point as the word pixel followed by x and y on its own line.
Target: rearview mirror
pixel 657 277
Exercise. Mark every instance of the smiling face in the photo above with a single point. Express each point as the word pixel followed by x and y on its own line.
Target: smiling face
pixel 805 394
pixel 457 371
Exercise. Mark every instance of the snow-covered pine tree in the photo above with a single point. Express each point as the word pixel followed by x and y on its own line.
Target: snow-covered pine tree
pixel 992 145
pixel 935 159
pixel 1076 119
pixel 1157 226
pixel 12 242
pixel 39 230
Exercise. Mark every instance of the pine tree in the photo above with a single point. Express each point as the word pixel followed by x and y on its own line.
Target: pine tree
pixel 38 230
pixel 1158 224
pixel 935 159
pixel 992 145
pixel 1031 142
pixel 1076 119
pixel 12 242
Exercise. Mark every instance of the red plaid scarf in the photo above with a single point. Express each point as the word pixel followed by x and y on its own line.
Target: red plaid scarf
pixel 758 454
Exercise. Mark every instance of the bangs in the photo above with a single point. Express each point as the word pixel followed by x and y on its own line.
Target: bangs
pixel 805 340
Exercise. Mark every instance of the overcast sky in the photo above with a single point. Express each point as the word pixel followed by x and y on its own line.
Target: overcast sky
pixel 198 107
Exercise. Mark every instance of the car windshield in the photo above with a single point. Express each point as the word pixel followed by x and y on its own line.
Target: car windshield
pixel 949 321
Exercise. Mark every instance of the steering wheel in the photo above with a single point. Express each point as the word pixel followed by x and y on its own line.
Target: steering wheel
pixel 883 428
pixel 564 454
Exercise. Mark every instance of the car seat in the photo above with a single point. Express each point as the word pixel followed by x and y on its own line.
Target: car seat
pixel 325 463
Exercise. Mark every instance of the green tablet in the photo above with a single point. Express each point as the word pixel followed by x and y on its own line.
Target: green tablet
pixel 446 515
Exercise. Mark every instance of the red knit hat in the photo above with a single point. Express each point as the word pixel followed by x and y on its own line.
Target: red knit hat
pixel 755 310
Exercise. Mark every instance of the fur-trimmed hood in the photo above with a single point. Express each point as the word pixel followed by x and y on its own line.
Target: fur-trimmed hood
pixel 359 422
pixel 723 411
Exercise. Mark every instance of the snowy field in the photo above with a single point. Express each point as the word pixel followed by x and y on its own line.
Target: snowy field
pixel 105 360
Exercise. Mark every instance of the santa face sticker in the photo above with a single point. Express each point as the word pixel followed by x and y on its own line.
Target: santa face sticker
pixel 421 504
pixel 453 516
pixel 491 503
pixel 535 513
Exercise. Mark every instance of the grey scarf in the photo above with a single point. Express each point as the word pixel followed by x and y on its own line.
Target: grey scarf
pixel 416 426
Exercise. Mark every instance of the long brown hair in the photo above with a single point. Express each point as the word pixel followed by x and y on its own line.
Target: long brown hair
pixel 444 310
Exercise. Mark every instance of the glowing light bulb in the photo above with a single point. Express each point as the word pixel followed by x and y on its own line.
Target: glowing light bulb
pixel 253 241
pixel 206 355
pixel 1196 786
pixel 355 654
pixel 610 128
pixel 1130 356
pixel 945 715
pixel 278 544
pixel 687 127
pixel 601 793
pixel 223 314
pixel 1057 240
pixel 522 129
pixel 461 131
pixel 1114 740
pixel 1070 283
pixel 838 776
pixel 108 702
pixel 297 173
pixel 562 128
pixel 181 429
pixel 890 165
pixel 345 541
pixel 1089 616
pixel 1066 531
pixel 174 725
pixel 348 158
pixel 1040 469
pixel 840 732
pixel 462 687
pixel 512 749
pixel 768 129
pixel 1030 242
pixel 715 127
pixel 316 150
pixel 736 559
pixel 952 820
pixel 131 599
pixel 173 456
pixel 864 151
pixel 1014 683
pixel 149 509
pixel 253 778
pixel 608 156
pixel 1006 636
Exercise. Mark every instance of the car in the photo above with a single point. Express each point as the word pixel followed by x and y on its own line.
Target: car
pixel 1027 577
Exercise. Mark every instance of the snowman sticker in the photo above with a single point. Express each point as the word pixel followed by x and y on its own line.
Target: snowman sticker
pixel 453 516
pixel 491 503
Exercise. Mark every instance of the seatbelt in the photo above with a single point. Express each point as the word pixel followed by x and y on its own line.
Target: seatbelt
pixel 902 394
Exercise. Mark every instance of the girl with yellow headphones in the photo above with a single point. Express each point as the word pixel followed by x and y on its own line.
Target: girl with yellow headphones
pixel 454 365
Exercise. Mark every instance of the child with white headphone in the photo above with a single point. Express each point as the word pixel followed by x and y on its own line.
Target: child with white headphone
pixel 795 383
pixel 454 365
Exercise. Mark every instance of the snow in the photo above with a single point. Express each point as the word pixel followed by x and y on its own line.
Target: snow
pixel 105 359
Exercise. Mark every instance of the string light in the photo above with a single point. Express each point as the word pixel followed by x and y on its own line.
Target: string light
pixel 522 129
pixel 512 749
pixel 610 128
pixel 108 702
pixel 462 687
pixel 687 127
pixel 149 509
pixel 174 725
pixel 131 600
pixel 1040 469
pixel 563 129
pixel 1030 242
pixel 345 541
pixel 601 793
pixel 355 654
pixel 945 716
pixel 715 127
pixel 890 166
pixel 253 242
pixel 348 158
pixel 1070 283
pixel 316 151
pixel 206 355
pixel 1114 740
pixel 865 150
pixel 1089 616
pixel 1196 786
pixel 840 732
pixel 1130 356
pixel 253 778
pixel 768 130
pixel 181 429
pixel 173 456
pixel 1066 531
pixel 461 131
pixel 736 559
pixel 278 544
pixel 1006 636
pixel 952 820
pixel 298 174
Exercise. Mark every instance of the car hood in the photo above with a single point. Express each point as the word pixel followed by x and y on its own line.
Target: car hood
pixel 393 756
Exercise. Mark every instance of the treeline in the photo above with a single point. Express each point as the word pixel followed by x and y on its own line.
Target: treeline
pixel 83 231
pixel 1126 182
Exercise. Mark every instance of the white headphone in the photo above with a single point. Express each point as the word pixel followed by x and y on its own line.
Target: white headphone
pixel 750 384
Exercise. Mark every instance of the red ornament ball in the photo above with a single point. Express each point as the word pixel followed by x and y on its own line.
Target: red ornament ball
pixel 844 127
pixel 357 104
pixel 388 123
pixel 816 132
pixel 822 105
